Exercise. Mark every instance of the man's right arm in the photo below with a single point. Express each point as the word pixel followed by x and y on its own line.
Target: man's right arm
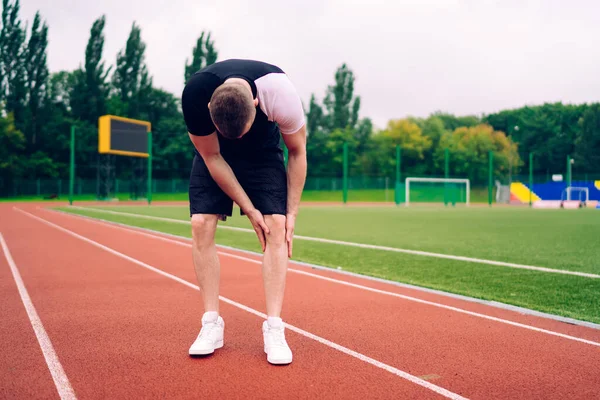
pixel 221 172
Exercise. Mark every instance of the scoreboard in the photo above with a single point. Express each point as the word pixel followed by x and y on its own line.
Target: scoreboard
pixel 123 136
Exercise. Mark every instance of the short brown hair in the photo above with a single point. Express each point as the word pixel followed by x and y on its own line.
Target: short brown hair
pixel 231 109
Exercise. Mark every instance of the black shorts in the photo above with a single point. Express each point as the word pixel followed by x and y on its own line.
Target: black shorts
pixel 264 181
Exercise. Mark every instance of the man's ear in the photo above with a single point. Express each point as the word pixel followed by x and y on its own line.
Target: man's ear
pixel 255 102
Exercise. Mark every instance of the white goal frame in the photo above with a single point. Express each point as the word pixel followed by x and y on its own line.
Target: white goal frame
pixel 437 180
pixel 568 191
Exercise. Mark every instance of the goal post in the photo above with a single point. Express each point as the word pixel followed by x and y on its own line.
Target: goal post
pixel 443 190
pixel 576 193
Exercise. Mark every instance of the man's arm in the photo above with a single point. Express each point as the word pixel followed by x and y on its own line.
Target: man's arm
pixel 296 144
pixel 296 178
pixel 221 172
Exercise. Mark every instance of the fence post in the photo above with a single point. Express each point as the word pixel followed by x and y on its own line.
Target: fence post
pixel 39 186
pixel 446 173
pixel 530 176
pixel 569 176
pixel 398 176
pixel 72 166
pixel 490 177
pixel 149 187
pixel 345 180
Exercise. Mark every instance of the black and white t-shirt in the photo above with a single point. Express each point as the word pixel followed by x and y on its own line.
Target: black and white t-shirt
pixel 279 106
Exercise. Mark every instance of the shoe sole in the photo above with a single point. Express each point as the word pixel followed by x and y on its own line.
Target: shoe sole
pixel 208 351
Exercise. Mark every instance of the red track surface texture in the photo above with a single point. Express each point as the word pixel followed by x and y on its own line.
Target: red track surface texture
pixel 121 330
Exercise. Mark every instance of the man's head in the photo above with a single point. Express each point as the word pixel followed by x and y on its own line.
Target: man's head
pixel 233 109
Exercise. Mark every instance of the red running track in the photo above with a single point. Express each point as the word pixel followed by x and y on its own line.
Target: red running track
pixel 122 331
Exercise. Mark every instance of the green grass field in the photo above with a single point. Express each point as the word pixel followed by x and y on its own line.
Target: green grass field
pixel 557 239
pixel 478 195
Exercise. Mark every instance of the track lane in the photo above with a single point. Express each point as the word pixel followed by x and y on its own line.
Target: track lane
pixel 21 358
pixel 123 332
pixel 480 358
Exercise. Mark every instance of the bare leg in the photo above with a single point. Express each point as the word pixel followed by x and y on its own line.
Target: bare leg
pixel 206 261
pixel 275 264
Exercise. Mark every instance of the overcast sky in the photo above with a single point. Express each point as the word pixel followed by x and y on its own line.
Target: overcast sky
pixel 410 57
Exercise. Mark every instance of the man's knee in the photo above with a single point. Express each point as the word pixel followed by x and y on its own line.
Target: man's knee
pixel 276 224
pixel 203 228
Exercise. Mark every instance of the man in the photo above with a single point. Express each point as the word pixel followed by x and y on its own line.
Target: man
pixel 236 112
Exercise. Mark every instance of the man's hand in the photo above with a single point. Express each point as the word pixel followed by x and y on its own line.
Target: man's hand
pixel 260 227
pixel 290 223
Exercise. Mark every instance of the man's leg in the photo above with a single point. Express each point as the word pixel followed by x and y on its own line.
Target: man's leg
pixel 206 264
pixel 275 264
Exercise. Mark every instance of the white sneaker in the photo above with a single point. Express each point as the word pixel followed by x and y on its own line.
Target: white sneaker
pixel 277 349
pixel 210 337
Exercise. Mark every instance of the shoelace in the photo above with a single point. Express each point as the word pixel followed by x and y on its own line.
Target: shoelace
pixel 277 336
pixel 206 330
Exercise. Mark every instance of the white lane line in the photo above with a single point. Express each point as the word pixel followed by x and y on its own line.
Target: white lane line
pixel 345 350
pixel 65 391
pixel 364 246
pixel 362 287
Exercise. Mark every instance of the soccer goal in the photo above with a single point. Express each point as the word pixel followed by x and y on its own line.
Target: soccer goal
pixel 576 193
pixel 437 190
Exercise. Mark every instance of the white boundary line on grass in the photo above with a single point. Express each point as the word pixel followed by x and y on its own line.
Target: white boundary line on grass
pixel 364 246
pixel 437 389
pixel 63 386
pixel 342 282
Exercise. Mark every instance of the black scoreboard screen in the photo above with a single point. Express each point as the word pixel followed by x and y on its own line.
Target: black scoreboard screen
pixel 123 136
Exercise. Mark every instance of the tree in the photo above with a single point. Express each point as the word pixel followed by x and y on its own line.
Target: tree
pixel 469 152
pixel 549 131
pixel 131 81
pixel 451 122
pixel 13 91
pixel 90 90
pixel 337 119
pixel 204 54
pixel 341 104
pixel 413 143
pixel 12 144
pixel 37 76
pixel 587 144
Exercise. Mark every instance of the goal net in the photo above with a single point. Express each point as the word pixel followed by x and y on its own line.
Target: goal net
pixel 437 190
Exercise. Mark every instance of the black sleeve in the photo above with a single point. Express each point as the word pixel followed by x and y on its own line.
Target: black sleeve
pixel 194 103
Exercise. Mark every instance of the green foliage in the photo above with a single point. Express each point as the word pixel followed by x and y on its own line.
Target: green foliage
pixel 37 77
pixel 204 54
pixel 341 104
pixel 451 122
pixel 90 87
pixel 587 144
pixel 13 90
pixel 549 131
pixel 131 81
pixel 335 122
pixel 469 148
pixel 12 144
pixel 413 143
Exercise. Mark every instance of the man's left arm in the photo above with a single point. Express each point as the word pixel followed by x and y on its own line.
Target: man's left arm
pixel 296 178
